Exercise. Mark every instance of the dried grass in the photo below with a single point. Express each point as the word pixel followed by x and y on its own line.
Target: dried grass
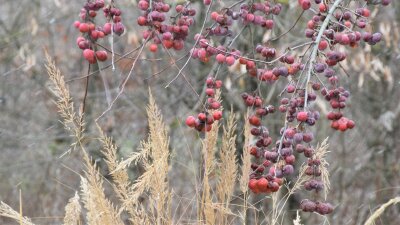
pixel 320 153
pixel 72 122
pixel 381 210
pixel 297 221
pixel 7 211
pixel 227 167
pixel 228 162
pixel 219 174
pixel 246 157
pixel 73 211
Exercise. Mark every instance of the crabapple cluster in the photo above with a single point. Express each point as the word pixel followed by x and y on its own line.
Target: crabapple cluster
pixel 259 14
pixel 265 178
pixel 344 29
pixel 314 183
pixel 322 208
pixel 91 33
pixel 204 51
pixel 170 35
pixel 212 112
pixel 331 26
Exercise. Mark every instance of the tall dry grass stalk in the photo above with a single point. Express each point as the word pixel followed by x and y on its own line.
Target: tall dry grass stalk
pixel 246 166
pixel 153 155
pixel 72 121
pixel 371 220
pixel 297 221
pixel 7 211
pixel 206 212
pixel 99 209
pixel 121 183
pixel 73 211
pixel 227 167
pixel 207 209
pixel 320 153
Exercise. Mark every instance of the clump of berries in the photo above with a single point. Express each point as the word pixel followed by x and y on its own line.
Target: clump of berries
pixel 267 167
pixel 170 35
pixel 91 33
pixel 315 183
pixel 212 112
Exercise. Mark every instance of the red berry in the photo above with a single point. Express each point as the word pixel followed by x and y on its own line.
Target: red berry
pixel 202 116
pixel 143 5
pixel 142 21
pixel 323 45
pixel 350 124
pixel 91 27
pixel 207 2
pixel 302 116
pixel 210 92
pixel 101 55
pixel 218 84
pixel 214 15
pixel 178 44
pixel 230 60
pixel 79 39
pixel 322 7
pixel 190 121
pixel 168 43
pixel 179 8
pixel 331 116
pixel 254 120
pixel 290 88
pixel 262 185
pixel 153 48
pixel 76 24
pixel 220 58
pixel 84 27
pixel 305 4
pixel 92 13
pixel 215 105
pixel 88 54
pixel 253 185
pixel 107 28
pixel 217 115
pixel 342 125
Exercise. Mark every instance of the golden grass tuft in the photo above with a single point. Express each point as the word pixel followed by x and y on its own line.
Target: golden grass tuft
pixel 320 153
pixel 7 211
pixel 228 163
pixel 72 122
pixel 73 211
pixel 246 157
pixel 371 220
pixel 99 209
pixel 153 155
pixel 207 211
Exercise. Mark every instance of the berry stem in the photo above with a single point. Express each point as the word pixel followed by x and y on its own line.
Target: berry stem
pixel 315 48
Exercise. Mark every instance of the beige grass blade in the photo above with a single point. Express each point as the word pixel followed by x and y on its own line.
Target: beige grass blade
pixel 153 155
pixel 381 210
pixel 7 211
pixel 73 211
pixel 72 122
pixel 227 167
pixel 246 157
